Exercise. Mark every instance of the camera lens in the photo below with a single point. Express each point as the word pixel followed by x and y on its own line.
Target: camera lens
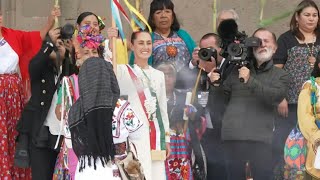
pixel 234 49
pixel 204 53
pixel 67 31
pixel 207 53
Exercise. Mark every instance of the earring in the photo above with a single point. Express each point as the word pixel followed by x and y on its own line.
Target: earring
pixel 297 24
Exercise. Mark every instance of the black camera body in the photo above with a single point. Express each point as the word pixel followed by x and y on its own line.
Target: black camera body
pixel 236 47
pixel 67 31
pixel 206 54
pixel 241 53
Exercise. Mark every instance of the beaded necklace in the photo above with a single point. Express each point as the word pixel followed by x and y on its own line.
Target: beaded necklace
pixel 171 49
pixel 311 58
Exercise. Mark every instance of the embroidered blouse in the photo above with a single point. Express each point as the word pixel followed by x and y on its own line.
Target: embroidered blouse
pixel 160 55
pixel 124 121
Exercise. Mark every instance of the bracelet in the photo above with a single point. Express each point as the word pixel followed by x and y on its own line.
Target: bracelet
pixel 50 44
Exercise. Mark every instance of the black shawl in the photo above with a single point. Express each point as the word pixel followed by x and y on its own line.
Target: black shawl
pixel 90 118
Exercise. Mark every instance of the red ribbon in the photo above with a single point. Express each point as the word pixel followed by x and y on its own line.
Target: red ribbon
pixel 142 98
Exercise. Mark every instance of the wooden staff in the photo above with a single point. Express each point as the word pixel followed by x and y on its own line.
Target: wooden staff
pixel 114 39
pixel 214 15
pixel 56 20
pixel 194 93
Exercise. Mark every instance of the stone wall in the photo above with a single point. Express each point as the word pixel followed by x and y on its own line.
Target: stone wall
pixel 196 16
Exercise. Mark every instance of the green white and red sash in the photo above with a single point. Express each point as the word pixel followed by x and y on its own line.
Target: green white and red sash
pixel 157 132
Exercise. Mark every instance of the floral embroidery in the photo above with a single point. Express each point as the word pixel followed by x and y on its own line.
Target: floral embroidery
pixel 124 119
pixel 175 163
pixel 185 171
pixel 299 70
pixel 178 165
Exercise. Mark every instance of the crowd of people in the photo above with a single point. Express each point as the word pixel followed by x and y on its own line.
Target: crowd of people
pixel 66 113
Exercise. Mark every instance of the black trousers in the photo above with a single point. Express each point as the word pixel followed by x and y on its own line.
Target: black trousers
pixel 213 148
pixel 259 154
pixel 42 162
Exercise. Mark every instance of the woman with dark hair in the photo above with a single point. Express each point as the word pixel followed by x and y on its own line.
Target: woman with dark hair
pixel 97 25
pixel 82 49
pixel 38 118
pixel 297 49
pixel 170 42
pixel 308 118
pixel 16 51
pixel 145 88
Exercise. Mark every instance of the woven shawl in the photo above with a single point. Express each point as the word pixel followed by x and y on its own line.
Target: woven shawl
pixel 90 118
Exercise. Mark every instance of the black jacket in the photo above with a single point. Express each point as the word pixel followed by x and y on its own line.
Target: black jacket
pixel 251 111
pixel 42 72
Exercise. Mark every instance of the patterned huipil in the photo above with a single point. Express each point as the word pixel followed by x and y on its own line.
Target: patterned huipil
pixel 160 55
pixel 294 56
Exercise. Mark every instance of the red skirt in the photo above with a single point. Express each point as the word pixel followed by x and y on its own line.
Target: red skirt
pixel 11 105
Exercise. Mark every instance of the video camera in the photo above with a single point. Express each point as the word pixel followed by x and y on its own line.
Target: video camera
pixel 236 47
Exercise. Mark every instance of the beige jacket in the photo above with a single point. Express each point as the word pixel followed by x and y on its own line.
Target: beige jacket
pixel 307 125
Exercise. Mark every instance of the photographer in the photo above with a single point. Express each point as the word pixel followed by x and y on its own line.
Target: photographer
pixel 38 127
pixel 247 125
pixel 211 140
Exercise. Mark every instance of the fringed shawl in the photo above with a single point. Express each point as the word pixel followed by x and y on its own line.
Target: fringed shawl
pixel 90 118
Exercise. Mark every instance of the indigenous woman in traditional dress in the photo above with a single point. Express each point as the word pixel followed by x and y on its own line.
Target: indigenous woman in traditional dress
pixel 308 119
pixel 124 121
pixel 86 21
pixel 16 50
pixel 97 24
pixel 183 139
pixel 88 45
pixel 178 164
pixel 170 42
pixel 145 87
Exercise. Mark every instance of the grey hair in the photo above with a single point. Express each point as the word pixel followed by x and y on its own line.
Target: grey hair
pixel 168 64
pixel 232 11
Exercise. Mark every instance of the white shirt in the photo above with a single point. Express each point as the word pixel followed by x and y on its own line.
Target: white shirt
pixel 107 52
pixel 9 59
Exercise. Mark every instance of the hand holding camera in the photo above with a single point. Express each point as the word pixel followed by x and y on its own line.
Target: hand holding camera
pixel 204 58
pixel 54 34
pixel 195 57
pixel 214 76
pixel 244 74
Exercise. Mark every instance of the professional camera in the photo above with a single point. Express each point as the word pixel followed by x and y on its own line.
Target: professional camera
pixel 206 54
pixel 237 48
pixel 67 31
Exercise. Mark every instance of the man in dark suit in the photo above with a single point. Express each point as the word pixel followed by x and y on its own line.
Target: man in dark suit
pixel 215 107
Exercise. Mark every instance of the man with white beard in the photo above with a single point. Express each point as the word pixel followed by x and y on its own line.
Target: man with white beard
pixel 247 125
